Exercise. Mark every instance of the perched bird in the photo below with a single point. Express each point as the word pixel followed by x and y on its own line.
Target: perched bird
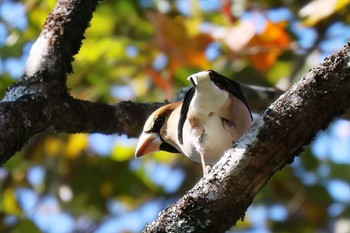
pixel 212 117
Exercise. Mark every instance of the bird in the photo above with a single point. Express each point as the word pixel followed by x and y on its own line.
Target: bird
pixel 212 117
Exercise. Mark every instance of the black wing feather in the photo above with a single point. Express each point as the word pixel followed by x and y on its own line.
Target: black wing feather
pixel 230 86
pixel 184 111
pixel 169 148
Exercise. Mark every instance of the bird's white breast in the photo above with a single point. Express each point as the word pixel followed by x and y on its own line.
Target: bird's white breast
pixel 217 139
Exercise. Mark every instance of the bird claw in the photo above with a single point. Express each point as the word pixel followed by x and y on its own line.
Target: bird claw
pixel 206 170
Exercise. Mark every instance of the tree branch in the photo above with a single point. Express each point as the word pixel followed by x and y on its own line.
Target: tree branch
pixel 25 110
pixel 79 116
pixel 60 39
pixel 219 200
pixel 20 120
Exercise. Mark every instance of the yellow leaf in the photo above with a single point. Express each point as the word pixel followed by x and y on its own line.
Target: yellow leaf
pixel 95 30
pixel 192 25
pixel 107 48
pixel 340 4
pixel 122 153
pixel 317 10
pixel 10 204
pixel 165 157
pixel 75 145
pixel 139 85
pixel 53 146
pixel 280 70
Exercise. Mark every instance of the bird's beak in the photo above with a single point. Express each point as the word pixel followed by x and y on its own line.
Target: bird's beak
pixel 148 142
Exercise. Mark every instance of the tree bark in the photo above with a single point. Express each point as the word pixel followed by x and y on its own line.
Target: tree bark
pixel 31 105
pixel 40 100
pixel 220 199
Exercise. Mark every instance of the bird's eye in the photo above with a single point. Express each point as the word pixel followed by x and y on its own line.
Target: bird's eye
pixel 158 123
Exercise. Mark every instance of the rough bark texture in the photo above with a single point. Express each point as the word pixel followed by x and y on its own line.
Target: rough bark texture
pixel 219 200
pixel 32 104
pixel 40 100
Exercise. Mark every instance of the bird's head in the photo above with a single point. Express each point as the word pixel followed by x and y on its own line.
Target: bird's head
pixel 156 132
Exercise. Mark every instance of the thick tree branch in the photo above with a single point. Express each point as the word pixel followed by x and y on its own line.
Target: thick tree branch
pixel 59 40
pixel 219 200
pixel 79 116
pixel 21 120
pixel 24 111
pixel 39 100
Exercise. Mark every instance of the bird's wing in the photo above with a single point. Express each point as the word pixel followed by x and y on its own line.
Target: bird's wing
pixel 183 115
pixel 230 86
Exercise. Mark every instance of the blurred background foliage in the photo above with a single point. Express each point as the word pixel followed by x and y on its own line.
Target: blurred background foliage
pixel 143 50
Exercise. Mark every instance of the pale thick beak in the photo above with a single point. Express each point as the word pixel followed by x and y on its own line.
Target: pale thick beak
pixel 148 142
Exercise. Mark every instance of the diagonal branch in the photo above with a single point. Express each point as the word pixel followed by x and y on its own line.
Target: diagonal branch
pixel 219 200
pixel 59 40
pixel 24 111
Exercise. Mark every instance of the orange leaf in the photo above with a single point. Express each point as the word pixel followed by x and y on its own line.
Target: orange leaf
pixel 169 32
pixel 161 83
pixel 173 39
pixel 266 47
pixel 226 11
pixel 275 33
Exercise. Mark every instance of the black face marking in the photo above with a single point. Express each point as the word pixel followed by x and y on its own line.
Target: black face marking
pixel 191 79
pixel 183 115
pixel 169 148
pixel 158 123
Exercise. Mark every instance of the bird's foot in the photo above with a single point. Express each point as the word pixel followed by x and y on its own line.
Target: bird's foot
pixel 206 170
